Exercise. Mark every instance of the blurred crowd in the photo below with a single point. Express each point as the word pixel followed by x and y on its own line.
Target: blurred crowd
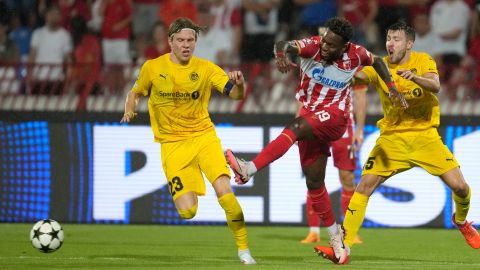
pixel 96 35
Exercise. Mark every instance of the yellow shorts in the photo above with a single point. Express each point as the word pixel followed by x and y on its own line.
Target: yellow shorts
pixel 395 152
pixel 184 161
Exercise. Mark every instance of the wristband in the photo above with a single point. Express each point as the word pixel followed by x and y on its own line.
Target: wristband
pixel 279 54
pixel 390 84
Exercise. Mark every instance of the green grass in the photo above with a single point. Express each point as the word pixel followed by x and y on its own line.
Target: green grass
pixel 211 247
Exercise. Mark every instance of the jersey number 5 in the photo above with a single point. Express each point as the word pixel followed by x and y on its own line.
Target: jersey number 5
pixel 323 115
pixel 369 164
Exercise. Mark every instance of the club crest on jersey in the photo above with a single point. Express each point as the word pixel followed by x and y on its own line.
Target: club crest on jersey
pixel 193 76
pixel 347 64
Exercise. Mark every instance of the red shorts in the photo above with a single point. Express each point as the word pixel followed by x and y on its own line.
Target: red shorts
pixel 341 151
pixel 328 125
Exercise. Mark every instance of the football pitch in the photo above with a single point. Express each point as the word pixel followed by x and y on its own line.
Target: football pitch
pixel 212 247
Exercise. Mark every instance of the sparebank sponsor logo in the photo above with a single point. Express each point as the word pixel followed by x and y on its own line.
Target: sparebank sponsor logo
pixel 179 95
pixel 317 74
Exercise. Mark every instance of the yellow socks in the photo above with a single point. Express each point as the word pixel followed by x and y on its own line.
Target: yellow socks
pixel 235 219
pixel 354 216
pixel 462 205
pixel 189 213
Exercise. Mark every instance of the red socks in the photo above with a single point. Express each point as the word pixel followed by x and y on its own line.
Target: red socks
pixel 322 206
pixel 346 196
pixel 275 149
pixel 312 217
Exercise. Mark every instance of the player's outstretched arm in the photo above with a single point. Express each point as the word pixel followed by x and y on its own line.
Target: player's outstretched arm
pixel 384 73
pixel 238 89
pixel 280 50
pixel 429 81
pixel 130 107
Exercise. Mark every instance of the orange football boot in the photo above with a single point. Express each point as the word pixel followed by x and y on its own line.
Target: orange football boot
pixel 311 238
pixel 329 254
pixel 471 235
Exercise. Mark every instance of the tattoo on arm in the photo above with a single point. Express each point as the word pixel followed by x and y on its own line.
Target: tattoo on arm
pixel 284 47
pixel 382 69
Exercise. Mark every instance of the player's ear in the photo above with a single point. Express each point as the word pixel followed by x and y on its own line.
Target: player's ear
pixel 409 44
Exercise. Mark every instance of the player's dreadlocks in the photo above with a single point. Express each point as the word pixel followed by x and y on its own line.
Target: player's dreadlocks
pixel 341 27
pixel 184 23
pixel 403 26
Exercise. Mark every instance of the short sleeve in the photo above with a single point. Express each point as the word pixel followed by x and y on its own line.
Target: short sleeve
pixel 218 78
pixel 428 64
pixel 143 83
pixel 308 46
pixel 366 57
pixel 371 74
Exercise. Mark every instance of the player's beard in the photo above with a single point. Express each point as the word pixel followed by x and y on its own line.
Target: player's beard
pixel 396 57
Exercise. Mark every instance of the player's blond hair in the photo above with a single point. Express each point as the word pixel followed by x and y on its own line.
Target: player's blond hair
pixel 184 23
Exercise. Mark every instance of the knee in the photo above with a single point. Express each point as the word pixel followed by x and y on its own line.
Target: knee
pixel 347 179
pixel 461 190
pixel 314 179
pixel 315 184
pixel 189 213
pixel 367 185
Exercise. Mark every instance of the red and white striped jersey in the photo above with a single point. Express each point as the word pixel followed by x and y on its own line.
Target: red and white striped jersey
pixel 325 85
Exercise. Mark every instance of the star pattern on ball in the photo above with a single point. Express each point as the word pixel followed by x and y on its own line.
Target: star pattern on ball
pixel 54 234
pixel 36 234
pixel 45 248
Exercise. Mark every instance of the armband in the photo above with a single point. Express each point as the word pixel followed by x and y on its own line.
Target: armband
pixel 279 54
pixel 228 87
pixel 390 84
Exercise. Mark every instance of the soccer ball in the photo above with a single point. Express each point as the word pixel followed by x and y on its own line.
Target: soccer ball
pixel 46 235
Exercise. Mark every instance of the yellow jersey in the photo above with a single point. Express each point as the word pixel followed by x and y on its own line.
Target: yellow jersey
pixel 179 96
pixel 423 110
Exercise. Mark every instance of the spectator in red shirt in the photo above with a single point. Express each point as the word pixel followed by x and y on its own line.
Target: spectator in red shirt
pixel 87 57
pixel 172 9
pixel 117 17
pixel 71 9
pixel 116 27
pixel 159 44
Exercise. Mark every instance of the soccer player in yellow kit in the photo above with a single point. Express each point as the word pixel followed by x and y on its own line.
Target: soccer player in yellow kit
pixel 179 87
pixel 408 137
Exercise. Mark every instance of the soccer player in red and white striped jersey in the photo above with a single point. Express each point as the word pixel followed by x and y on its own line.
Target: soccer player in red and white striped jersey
pixel 327 66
